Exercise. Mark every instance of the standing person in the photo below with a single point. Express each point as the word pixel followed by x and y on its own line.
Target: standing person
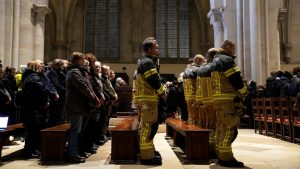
pixel 181 100
pixel 189 83
pixel 148 91
pixel 204 80
pixel 58 79
pixel 227 87
pixel 79 96
pixel 35 104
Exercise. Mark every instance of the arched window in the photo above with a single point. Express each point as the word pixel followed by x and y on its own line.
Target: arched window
pixel 101 28
pixel 172 28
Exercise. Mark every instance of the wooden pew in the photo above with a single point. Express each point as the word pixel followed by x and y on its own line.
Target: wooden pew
pixel 53 144
pixel 193 140
pixel 11 129
pixel 124 98
pixel 124 141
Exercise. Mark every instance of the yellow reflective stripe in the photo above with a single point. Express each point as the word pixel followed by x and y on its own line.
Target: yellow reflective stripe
pixel 243 90
pixel 207 99
pixel 146 147
pixel 149 144
pixel 161 90
pixel 141 99
pixel 231 71
pixel 209 87
pixel 145 133
pixel 218 83
pixel 236 69
pixel 226 139
pixel 198 98
pixel 222 98
pixel 150 72
pixel 224 95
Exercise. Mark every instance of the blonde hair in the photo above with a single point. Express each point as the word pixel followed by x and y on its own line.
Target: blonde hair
pixel 34 66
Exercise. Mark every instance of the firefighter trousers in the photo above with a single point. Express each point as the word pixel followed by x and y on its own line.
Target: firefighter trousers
pixel 148 128
pixel 227 123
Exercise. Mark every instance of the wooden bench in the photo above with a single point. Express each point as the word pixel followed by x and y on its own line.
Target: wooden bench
pixel 124 98
pixel 124 141
pixel 193 140
pixel 11 129
pixel 54 143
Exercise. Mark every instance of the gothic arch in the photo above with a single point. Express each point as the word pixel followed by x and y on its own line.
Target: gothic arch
pixel 69 22
pixel 202 8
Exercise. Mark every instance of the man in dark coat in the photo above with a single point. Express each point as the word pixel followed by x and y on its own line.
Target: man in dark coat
pixel 79 97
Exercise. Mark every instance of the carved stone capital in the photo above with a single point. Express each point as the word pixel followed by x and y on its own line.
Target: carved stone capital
pixel 282 14
pixel 216 17
pixel 38 13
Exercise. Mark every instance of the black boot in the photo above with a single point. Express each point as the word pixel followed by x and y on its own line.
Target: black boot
pixel 75 159
pixel 231 163
pixel 156 153
pixel 154 161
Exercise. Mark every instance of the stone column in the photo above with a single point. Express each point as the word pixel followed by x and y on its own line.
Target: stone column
pixel 230 21
pixel 16 34
pixel 255 41
pixel 273 34
pixel 137 28
pixel 239 35
pixel 2 30
pixel 216 19
pixel 26 33
pixel 38 14
pixel 60 46
pixel 8 32
pixel 246 39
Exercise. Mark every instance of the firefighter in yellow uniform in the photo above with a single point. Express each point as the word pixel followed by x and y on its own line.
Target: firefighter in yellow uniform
pixel 148 90
pixel 204 78
pixel 227 85
pixel 189 88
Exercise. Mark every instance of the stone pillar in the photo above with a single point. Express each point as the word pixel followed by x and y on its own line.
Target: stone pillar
pixel 216 19
pixel 8 32
pixel 60 46
pixel 16 34
pixel 246 39
pixel 255 41
pixel 230 21
pixel 272 34
pixel 137 28
pixel 26 33
pixel 2 30
pixel 38 17
pixel 239 35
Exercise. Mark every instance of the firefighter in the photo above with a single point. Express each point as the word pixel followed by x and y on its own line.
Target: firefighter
pixel 149 89
pixel 227 85
pixel 189 87
pixel 204 80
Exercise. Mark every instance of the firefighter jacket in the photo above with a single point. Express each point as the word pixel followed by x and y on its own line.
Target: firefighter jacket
pixel 134 87
pixel 227 82
pixel 204 81
pixel 189 81
pixel 148 82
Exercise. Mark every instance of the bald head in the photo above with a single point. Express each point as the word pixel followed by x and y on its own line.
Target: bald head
pixel 199 59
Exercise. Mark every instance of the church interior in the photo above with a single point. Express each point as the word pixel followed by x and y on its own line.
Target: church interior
pixel 265 37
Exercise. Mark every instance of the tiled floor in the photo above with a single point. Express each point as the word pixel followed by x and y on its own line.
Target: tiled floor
pixel 256 151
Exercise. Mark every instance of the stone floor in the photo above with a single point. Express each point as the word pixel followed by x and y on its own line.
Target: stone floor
pixel 256 151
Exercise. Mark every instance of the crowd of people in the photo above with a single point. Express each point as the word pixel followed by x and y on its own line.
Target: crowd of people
pixel 210 92
pixel 79 92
